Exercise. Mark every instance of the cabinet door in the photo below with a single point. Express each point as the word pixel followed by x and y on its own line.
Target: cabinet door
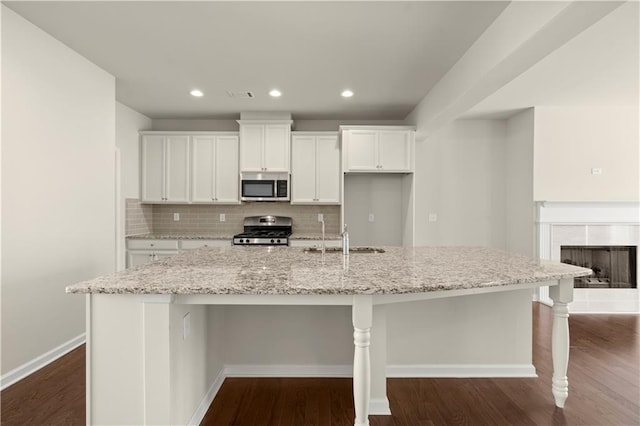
pixel 328 169
pixel 135 258
pixel 226 170
pixel 303 169
pixel 362 150
pixel 152 173
pixel 395 150
pixel 163 254
pixel 276 147
pixel 177 169
pixel 203 169
pixel 251 145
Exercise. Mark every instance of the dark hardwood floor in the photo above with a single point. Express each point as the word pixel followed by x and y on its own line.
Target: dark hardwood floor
pixel 604 376
pixel 53 395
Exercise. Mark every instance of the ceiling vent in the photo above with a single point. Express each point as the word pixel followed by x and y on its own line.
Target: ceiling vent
pixel 245 94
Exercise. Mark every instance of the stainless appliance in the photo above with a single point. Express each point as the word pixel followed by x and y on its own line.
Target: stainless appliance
pixel 265 230
pixel 264 186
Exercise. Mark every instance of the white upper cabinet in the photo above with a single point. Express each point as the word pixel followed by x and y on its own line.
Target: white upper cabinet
pixel 186 167
pixel 378 148
pixel 214 169
pixel 265 145
pixel 165 168
pixel 315 168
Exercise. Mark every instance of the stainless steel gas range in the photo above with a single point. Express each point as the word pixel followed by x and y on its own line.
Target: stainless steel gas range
pixel 265 231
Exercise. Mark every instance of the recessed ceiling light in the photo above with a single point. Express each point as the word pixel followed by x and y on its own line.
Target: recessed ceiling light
pixel 197 93
pixel 275 93
pixel 347 94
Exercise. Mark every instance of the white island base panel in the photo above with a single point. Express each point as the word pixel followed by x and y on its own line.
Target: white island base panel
pixel 147 364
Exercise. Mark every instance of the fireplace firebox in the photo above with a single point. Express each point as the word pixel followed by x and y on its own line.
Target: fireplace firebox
pixel 612 266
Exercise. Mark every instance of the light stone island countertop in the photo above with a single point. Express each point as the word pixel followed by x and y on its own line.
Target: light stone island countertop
pixel 220 236
pixel 289 270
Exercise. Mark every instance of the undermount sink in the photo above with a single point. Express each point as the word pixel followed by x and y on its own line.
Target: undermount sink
pixel 339 250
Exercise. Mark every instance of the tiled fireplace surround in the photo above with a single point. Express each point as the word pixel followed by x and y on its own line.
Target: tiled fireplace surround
pixel 589 224
pixel 205 219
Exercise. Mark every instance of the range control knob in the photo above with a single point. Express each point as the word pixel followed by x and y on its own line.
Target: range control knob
pixel 277 241
pixel 272 241
pixel 241 240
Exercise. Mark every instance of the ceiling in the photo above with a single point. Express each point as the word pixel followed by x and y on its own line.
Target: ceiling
pixel 389 53
pixel 599 67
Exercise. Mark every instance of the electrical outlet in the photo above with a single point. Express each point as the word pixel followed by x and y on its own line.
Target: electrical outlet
pixel 223 217
pixel 433 217
pixel 372 217
pixel 186 325
pixel 596 171
pixel 176 217
pixel 320 217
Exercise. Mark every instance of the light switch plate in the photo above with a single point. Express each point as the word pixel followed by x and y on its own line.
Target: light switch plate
pixel 433 217
pixel 176 217
pixel 372 217
pixel 596 171
pixel 223 217
pixel 320 217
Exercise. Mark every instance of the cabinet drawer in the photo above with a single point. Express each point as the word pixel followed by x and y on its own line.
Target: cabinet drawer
pixel 152 244
pixel 194 244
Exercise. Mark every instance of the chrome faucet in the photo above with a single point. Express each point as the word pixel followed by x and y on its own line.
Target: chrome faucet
pixel 324 248
pixel 345 241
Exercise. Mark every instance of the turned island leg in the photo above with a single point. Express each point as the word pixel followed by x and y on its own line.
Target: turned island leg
pixel 362 314
pixel 561 294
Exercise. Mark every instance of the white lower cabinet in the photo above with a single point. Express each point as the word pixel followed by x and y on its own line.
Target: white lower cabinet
pixel 195 244
pixel 141 257
pixel 142 251
pixel 315 243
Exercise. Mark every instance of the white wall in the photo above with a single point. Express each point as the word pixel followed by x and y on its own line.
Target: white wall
pixel 380 195
pixel 460 176
pixel 520 221
pixel 128 124
pixel 570 141
pixel 58 137
pixel 482 329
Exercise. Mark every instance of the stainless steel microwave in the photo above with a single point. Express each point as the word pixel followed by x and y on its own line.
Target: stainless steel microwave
pixel 264 186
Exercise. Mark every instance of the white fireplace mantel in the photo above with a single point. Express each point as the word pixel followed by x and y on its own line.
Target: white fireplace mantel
pixel 583 224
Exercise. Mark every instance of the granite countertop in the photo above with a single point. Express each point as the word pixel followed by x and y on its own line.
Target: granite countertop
pixel 221 236
pixel 288 270
pixel 299 236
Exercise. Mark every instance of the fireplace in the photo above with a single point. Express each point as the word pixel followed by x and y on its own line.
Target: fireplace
pixel 602 236
pixel 612 266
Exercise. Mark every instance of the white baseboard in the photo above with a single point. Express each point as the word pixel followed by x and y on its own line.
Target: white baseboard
pixel 379 407
pixel 461 370
pixel 36 364
pixel 294 370
pixel 197 417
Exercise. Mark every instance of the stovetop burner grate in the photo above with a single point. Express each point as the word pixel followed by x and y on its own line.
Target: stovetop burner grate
pixel 264 230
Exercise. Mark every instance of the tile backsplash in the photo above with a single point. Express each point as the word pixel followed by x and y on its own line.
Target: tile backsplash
pixel 138 217
pixel 206 218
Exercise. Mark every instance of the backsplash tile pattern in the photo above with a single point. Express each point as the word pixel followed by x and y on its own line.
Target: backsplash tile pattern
pixel 206 218
pixel 138 217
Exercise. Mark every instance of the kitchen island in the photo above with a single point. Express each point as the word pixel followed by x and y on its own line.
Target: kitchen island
pixel 154 302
